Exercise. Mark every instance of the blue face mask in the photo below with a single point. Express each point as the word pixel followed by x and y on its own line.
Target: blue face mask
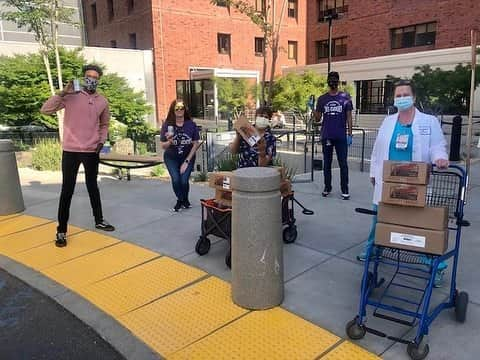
pixel 403 103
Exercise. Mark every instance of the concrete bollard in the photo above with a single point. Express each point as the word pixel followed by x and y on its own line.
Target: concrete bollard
pixel 257 246
pixel 11 199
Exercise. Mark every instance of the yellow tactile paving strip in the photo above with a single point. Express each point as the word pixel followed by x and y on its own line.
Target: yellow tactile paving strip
pixel 349 351
pixel 175 321
pixel 46 256
pixel 165 303
pixel 20 223
pixel 139 286
pixel 28 239
pixel 263 335
pixel 6 217
pixel 99 265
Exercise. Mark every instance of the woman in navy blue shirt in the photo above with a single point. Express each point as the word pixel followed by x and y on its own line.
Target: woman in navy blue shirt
pixel 263 152
pixel 179 137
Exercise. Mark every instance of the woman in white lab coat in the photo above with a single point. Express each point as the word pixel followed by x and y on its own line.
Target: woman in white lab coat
pixel 408 135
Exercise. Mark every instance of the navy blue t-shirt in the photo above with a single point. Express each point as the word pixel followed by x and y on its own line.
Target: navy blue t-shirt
pixel 183 139
pixel 334 109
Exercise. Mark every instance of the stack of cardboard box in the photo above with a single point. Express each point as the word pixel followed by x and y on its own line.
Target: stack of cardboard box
pixel 404 220
pixel 221 182
pixel 285 184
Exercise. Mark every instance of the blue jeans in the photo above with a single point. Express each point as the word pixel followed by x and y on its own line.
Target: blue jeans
pixel 341 148
pixel 180 182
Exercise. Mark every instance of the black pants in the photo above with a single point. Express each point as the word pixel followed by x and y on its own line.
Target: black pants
pixel 70 163
pixel 341 148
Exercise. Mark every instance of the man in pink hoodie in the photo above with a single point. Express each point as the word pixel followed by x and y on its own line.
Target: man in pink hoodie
pixel 85 130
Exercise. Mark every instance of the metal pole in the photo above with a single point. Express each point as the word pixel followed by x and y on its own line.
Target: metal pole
pixel 473 36
pixel 330 20
pixel 294 136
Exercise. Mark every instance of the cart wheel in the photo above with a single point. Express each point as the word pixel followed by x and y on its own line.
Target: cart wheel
pixel 203 246
pixel 228 259
pixel 355 331
pixel 290 234
pixel 418 352
pixel 461 304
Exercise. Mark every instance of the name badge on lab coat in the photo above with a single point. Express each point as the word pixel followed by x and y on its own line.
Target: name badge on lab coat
pixel 424 130
pixel 402 141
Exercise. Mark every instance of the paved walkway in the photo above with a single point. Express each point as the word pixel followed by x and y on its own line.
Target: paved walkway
pixel 322 277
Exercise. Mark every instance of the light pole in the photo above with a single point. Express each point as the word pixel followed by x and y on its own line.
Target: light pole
pixel 330 15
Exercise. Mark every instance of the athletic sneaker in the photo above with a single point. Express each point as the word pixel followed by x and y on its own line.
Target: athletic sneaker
pixel 325 192
pixel 346 196
pixel 105 226
pixel 438 281
pixel 186 204
pixel 61 240
pixel 177 206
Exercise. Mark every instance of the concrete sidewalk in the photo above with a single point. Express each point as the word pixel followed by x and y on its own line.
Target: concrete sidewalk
pixel 322 277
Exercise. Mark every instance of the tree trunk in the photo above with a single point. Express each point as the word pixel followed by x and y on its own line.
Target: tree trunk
pixel 275 44
pixel 46 62
pixel 55 44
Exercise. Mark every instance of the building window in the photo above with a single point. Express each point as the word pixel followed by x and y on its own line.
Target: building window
pixel 260 6
pixel 132 39
pixel 374 96
pixel 414 35
pixel 93 8
pixel 222 3
pixel 111 13
pixel 292 8
pixel 327 6
pixel 130 6
pixel 223 43
pixel 292 50
pixel 259 46
pixel 113 43
pixel 339 48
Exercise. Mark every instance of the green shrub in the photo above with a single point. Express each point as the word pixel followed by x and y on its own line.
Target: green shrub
pixel 158 171
pixel 141 148
pixel 228 162
pixel 200 176
pixel 47 155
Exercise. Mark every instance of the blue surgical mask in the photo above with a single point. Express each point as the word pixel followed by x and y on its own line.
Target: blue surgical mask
pixel 403 103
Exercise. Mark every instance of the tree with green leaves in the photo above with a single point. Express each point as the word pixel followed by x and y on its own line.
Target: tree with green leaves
pixel 270 25
pixel 41 17
pixel 444 91
pixel 232 95
pixel 291 91
pixel 24 88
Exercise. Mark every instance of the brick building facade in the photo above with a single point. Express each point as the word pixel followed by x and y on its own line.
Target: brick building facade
pixel 186 35
pixel 192 34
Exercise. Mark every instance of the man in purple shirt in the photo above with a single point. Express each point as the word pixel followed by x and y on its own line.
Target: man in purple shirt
pixel 85 128
pixel 334 112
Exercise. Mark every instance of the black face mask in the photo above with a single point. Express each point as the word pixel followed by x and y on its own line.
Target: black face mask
pixel 333 84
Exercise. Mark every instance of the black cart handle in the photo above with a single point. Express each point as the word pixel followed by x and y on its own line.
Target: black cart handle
pixel 365 211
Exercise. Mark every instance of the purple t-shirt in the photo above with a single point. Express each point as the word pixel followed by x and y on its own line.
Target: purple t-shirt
pixel 182 139
pixel 334 109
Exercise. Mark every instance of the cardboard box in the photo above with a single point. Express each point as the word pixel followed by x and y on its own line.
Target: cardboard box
pixel 220 180
pixel 247 131
pixel 414 239
pixel 404 194
pixel 406 172
pixel 433 218
pixel 223 197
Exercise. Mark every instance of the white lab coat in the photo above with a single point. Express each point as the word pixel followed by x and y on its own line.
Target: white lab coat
pixel 429 145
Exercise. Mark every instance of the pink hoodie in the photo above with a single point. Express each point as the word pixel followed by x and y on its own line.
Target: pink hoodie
pixel 86 119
